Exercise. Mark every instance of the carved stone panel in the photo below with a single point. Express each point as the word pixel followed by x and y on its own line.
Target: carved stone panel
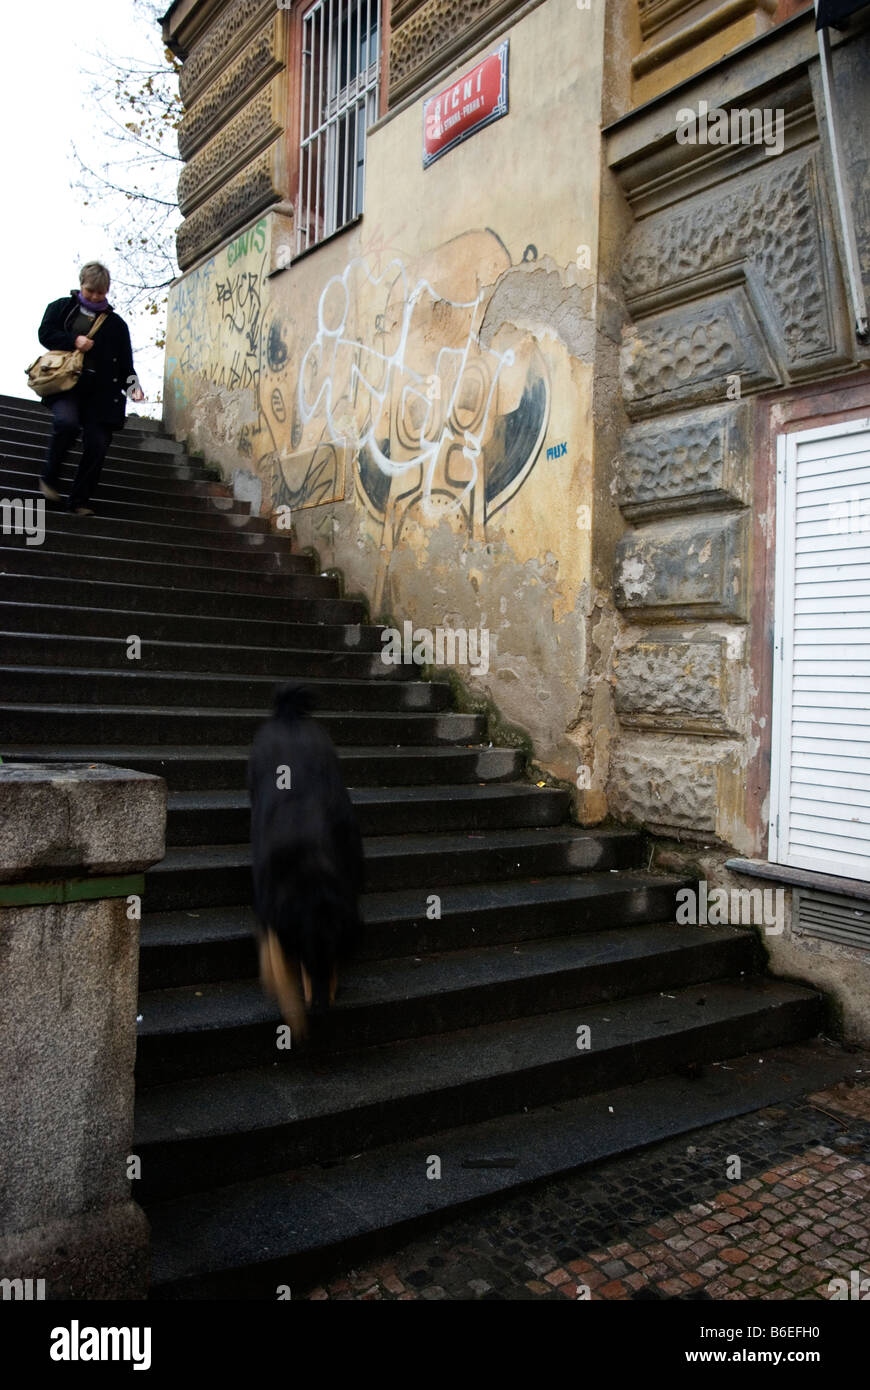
pixel 684 356
pixel 668 784
pixel 260 60
pixel 259 122
pixel 771 221
pixel 217 43
pixel 683 462
pixel 690 569
pixel 259 184
pixel 434 33
pixel 690 683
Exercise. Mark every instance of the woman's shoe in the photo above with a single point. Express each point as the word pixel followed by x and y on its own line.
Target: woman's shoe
pixel 48 491
pixel 83 511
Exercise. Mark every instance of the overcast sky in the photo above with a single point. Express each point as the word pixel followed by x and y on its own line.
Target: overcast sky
pixel 44 108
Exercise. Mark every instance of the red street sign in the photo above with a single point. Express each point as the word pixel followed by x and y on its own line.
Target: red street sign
pixel 464 108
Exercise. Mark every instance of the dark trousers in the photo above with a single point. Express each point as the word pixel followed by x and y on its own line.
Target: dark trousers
pixel 72 412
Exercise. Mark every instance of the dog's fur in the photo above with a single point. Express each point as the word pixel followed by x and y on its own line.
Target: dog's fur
pixel 306 860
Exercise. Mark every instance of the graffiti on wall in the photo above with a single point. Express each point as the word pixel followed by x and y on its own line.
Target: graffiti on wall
pixel 389 388
pixel 396 374
pixel 217 331
pixel 188 334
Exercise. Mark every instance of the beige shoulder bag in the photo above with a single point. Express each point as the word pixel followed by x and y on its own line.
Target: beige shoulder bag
pixel 58 371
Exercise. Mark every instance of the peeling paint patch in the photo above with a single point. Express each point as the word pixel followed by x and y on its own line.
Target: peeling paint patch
pixel 538 301
pixel 633 577
pixel 247 487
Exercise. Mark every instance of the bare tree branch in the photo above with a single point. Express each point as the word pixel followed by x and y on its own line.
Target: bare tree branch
pixel 137 111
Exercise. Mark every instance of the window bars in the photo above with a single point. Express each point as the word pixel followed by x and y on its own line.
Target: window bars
pixel 340 70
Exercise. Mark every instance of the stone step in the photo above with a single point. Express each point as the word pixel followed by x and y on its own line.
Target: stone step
pixel 220 875
pixel 122 498
pixel 229 534
pixel 137 686
pixel 25 451
pixel 27 724
pixel 223 817
pixel 154 626
pixel 296 1226
pixel 31 412
pixel 20 416
pixel 151 441
pixel 495 928
pixel 65 538
pixel 317 1105
pixel 108 653
pixel 45 562
pixel 201 1029
pixel 215 944
pixel 207 514
pixel 29 402
pixel 26 584
pixel 189 768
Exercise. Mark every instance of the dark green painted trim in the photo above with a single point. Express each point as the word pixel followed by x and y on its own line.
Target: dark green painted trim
pixel 71 890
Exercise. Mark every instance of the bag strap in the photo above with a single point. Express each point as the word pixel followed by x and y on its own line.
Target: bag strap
pixel 99 323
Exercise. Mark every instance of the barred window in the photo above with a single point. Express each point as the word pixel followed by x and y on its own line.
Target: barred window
pixel 340 70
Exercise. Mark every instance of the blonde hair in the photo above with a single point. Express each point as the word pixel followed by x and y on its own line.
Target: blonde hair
pixel 94 276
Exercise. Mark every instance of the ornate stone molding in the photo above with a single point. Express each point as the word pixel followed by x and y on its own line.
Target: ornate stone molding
pixel 654 14
pixel 685 357
pixel 401 9
pixel 262 58
pixel 217 44
pixel 683 463
pixel 688 36
pixel 187 20
pixel 259 184
pixel 435 33
pixel 770 222
pixel 256 125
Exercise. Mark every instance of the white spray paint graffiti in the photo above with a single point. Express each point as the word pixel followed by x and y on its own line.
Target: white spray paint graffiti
pixel 341 367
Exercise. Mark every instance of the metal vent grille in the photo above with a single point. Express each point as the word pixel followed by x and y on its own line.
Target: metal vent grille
pixel 832 918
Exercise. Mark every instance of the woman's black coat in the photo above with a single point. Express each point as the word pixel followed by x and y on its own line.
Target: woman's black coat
pixel 109 364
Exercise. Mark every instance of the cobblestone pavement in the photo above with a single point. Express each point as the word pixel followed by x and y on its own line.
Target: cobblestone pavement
pixel 666 1222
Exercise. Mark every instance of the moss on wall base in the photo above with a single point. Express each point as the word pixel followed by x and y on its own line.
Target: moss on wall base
pixel 468 701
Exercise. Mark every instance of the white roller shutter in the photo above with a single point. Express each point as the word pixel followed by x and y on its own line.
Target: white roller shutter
pixel 820 769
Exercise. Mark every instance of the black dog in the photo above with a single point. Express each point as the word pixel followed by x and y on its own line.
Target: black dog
pixel 306 859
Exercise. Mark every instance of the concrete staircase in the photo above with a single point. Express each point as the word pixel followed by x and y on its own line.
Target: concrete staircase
pixel 453 1038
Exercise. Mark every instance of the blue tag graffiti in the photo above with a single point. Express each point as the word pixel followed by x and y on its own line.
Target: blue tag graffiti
pixel 557 451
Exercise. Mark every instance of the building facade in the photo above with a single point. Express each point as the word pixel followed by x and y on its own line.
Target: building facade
pixel 542 320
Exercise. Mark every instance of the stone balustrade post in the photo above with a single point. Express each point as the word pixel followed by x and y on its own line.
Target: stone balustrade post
pixel 74 843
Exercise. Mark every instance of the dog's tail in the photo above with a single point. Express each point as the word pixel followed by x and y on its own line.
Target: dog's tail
pixel 293 701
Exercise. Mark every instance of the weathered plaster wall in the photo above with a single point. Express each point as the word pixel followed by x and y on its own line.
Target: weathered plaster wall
pixel 419 390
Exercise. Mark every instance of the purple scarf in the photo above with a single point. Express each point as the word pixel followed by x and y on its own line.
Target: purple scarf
pixel 90 307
